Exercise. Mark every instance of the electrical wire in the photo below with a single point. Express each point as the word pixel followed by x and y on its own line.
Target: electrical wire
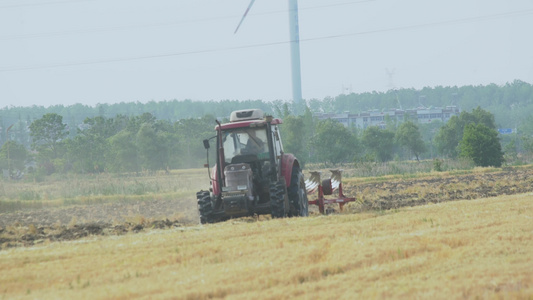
pixel 43 3
pixel 163 24
pixel 433 24
pixel 175 54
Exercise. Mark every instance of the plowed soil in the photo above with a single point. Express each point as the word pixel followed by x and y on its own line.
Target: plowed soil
pixel 410 192
pixel 26 228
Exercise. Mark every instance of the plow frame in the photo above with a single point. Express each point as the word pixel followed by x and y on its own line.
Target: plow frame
pixel 327 187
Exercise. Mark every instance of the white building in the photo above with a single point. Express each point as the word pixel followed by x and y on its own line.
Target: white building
pixel 378 118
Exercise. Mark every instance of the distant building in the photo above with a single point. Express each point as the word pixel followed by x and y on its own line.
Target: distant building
pixel 378 118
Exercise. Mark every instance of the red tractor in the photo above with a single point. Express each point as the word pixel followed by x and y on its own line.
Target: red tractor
pixel 252 174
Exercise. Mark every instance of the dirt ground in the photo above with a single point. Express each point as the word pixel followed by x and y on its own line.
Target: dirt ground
pixel 410 192
pixel 27 228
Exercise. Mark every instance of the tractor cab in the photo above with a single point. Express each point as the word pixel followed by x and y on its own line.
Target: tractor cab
pixel 242 144
pixel 249 137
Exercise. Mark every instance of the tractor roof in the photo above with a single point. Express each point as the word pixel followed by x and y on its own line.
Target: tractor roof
pixel 246 114
pixel 251 123
pixel 249 118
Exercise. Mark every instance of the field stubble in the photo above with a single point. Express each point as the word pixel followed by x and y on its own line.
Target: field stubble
pixel 379 247
pixel 465 249
pixel 97 209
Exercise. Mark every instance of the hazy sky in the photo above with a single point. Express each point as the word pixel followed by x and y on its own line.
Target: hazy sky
pixel 109 51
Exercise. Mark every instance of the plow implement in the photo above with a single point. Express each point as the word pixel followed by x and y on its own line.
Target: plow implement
pixel 326 187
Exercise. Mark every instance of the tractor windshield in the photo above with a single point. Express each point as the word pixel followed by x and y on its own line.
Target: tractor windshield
pixel 245 141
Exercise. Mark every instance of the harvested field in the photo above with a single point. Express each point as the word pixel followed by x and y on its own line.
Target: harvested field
pixel 36 226
pixel 473 249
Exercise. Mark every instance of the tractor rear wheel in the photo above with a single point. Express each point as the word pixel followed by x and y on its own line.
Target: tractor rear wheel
pixel 277 199
pixel 299 204
pixel 205 207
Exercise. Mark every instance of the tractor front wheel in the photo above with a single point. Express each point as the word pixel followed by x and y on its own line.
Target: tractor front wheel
pixel 277 199
pixel 205 207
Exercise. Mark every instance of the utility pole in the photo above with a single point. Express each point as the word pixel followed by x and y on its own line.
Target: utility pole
pixel 294 35
pixel 294 32
pixel 8 160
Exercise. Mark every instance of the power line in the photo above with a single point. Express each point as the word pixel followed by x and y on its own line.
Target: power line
pixel 138 57
pixel 163 24
pixel 408 27
pixel 44 3
pixel 433 24
pixel 336 4
pixel 75 1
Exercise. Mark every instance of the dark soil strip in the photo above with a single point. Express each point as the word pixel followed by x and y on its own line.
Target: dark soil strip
pixel 27 228
pixel 14 236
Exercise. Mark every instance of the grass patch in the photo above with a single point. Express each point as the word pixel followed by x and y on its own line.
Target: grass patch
pixel 100 188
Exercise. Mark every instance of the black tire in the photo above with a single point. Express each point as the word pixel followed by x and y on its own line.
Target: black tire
pixel 299 204
pixel 327 189
pixel 205 207
pixel 277 199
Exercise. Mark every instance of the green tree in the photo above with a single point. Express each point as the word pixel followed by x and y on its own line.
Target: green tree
pixel 104 127
pixel 281 109
pixel 152 148
pixel 448 137
pixel 47 133
pixel 333 143
pixel 428 132
pixel 379 143
pixel 123 155
pixel 527 144
pixel 135 123
pixel 510 149
pixel 87 153
pixel 481 144
pixel 451 133
pixel 408 136
pixel 190 133
pixel 13 156
pixel 48 139
pixel 294 137
pixel 88 150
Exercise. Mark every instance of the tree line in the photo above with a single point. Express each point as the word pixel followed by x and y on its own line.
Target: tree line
pixel 131 137
pixel 470 135
pixel 511 104
pixel 134 144
pixel 118 144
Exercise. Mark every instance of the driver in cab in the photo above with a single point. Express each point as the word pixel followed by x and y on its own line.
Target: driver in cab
pixel 254 145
